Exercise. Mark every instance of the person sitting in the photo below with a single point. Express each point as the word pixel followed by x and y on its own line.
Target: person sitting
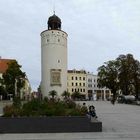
pixel 92 112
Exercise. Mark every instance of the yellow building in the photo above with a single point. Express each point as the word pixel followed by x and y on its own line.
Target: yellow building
pixel 86 84
pixel 76 81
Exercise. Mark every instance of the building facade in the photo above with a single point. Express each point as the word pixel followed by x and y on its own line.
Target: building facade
pixel 87 84
pixel 26 90
pixel 53 58
pixel 93 90
pixel 76 81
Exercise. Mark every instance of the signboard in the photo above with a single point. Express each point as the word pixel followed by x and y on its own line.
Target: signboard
pixel 55 77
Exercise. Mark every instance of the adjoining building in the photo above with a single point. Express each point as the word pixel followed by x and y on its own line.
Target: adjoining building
pixel 87 84
pixel 93 90
pixel 76 82
pixel 53 58
pixel 26 90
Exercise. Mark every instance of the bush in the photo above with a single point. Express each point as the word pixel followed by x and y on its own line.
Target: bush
pixel 11 111
pixel 46 107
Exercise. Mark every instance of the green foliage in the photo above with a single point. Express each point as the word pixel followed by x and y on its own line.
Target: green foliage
pixel 17 102
pixel 108 77
pixel 66 95
pixel 11 111
pixel 46 107
pixel 3 92
pixel 121 74
pixel 76 96
pixel 52 93
pixel 12 75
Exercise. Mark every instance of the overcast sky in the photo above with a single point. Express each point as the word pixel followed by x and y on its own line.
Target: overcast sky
pixel 98 31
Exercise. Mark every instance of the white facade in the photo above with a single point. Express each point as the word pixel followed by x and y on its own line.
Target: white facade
pixel 94 91
pixel 53 61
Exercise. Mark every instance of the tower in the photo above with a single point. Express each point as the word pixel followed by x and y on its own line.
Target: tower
pixel 53 58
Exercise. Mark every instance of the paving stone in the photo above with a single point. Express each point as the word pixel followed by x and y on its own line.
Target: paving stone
pixel 120 122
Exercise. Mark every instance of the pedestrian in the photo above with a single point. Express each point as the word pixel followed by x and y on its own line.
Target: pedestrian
pixel 84 109
pixel 92 111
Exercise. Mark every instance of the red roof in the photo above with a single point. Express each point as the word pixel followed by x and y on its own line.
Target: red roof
pixel 4 64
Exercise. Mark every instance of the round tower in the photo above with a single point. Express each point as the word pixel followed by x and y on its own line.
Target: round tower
pixel 53 58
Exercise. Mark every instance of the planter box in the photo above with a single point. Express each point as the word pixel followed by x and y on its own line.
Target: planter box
pixel 48 124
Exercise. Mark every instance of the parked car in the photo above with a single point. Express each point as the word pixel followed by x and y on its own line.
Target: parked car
pixel 128 99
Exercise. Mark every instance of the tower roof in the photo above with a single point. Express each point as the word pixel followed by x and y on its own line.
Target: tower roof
pixel 54 23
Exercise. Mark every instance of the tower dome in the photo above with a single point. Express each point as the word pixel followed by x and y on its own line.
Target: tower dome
pixel 54 23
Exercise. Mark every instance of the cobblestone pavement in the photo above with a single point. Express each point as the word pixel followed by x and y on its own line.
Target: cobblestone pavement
pixel 120 122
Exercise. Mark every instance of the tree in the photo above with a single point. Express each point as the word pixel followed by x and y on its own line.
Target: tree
pixel 52 93
pixel 136 78
pixel 121 74
pixel 129 75
pixel 125 73
pixel 66 94
pixel 76 95
pixel 108 77
pixel 13 78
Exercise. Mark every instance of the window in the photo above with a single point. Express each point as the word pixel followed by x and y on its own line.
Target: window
pixel 47 40
pixel 83 84
pixel 83 78
pixel 58 40
pixel 72 90
pixel 89 85
pixel 76 84
pixel 83 90
pixel 79 78
pixel 72 84
pixel 80 84
pixel 72 78
pixel 75 78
